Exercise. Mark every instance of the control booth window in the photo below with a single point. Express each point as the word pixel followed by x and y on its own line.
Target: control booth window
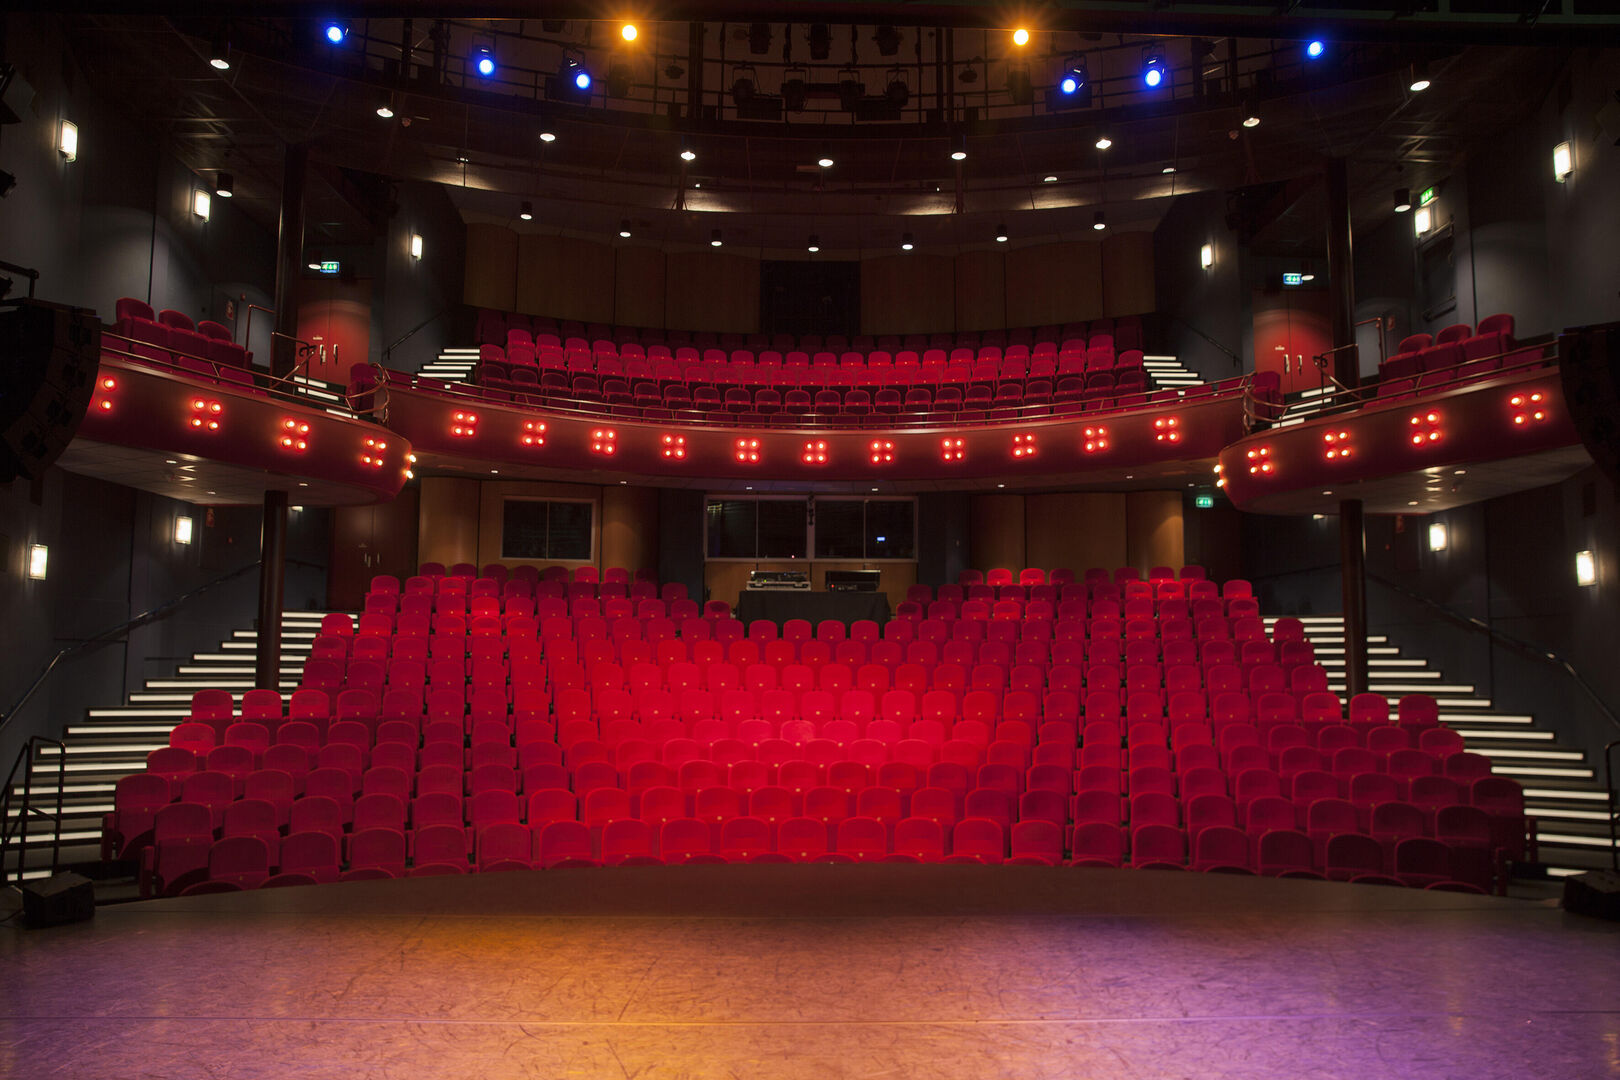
pixel 866 529
pixel 756 528
pixel 546 529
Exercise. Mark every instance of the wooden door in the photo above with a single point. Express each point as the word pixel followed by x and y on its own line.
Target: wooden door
pixel 367 541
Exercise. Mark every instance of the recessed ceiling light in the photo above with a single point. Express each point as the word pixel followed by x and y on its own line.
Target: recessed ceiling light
pixel 170 461
pixel 1412 503
pixel 1167 170
pixel 303 483
pixel 1001 485
pixel 385 111
pixel 1460 472
pixel 548 137
pixel 1104 142
pixel 1048 179
pixel 494 472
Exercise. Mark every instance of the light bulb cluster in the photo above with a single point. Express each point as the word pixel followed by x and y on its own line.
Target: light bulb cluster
pixel 605 441
pixel 534 433
pixel 1528 408
pixel 293 434
pixel 105 385
pixel 1338 445
pixel 815 452
pixel 464 425
pixel 1024 445
pixel 1259 461
pixel 205 414
pixel 882 452
pixel 1096 439
pixel 747 451
pixel 375 448
pixel 1166 429
pixel 952 449
pixel 1425 428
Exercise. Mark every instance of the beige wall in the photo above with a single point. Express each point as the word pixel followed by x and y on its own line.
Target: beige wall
pixel 565 277
pixel 711 290
pixel 908 294
pixel 629 527
pixel 1054 284
pixel 638 284
pixel 981 290
pixel 1154 532
pixel 996 531
pixel 1077 530
pixel 492 265
pixel 460 521
pixel 1127 267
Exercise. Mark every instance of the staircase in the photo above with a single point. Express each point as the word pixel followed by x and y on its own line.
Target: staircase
pixel 1302 406
pixel 1166 373
pixel 453 365
pixel 1562 790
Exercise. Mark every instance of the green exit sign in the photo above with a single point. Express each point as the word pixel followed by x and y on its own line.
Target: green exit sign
pixel 329 266
pixel 1427 195
pixel 1204 502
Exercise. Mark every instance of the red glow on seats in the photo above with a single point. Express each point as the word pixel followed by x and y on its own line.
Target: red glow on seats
pixel 952 449
pixel 534 433
pixel 1260 460
pixel 1426 428
pixel 1096 439
pixel 674 447
pixel 292 434
pixel 882 452
pixel 1338 445
pixel 205 414
pixel 604 441
pixel 464 425
pixel 1528 408
pixel 1165 429
pixel 815 452
pixel 747 451
pixel 1024 445
pixel 374 453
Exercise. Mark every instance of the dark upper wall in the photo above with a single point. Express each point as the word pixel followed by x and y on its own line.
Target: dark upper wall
pixel 1201 311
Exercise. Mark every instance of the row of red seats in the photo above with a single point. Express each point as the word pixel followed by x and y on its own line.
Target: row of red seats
pixel 174 332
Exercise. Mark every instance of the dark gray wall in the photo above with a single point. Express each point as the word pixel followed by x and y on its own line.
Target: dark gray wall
pixel 1195 304
pixel 408 290
pixel 942 537
pixel 680 539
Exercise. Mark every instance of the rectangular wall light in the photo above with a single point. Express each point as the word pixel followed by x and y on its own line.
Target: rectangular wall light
pixel 67 141
pixel 1585 568
pixel 201 203
pixel 182 530
pixel 416 246
pixel 1423 220
pixel 1437 536
pixel 1563 161
pixel 38 557
pixel 1206 256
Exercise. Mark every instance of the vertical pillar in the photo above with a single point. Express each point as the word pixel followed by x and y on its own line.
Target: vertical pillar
pixel 289 258
pixel 1353 571
pixel 272 579
pixel 1341 273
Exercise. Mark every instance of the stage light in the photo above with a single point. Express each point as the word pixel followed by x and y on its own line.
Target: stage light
pixel 1165 429
pixel 484 61
pixel 1096 439
pixel 335 33
pixel 906 243
pixel 201 203
pixel 1585 567
pixel 1403 200
pixel 820 41
pixel 888 40
pixel 688 155
pixel 224 185
pixel 205 414
pixel 1001 234
pixel 714 238
pixel 464 425
pixel 604 441
pixel 742 84
pixel 628 31
pixel 759 38
pixel 374 453
pixel 1020 37
pixel 674 448
pixel 1563 161
pixel 575 74
pixel 815 244
pixel 548 137
pixel 526 211
pixel 1337 445
pixel 1206 256
pixel 67 141
pixel 1425 428
pixel 851 89
pixel 1437 536
pixel 1417 78
pixel 1153 69
pixel 624 229
pixel 882 452
pixel 293 434
pixel 1099 221
pixel 746 451
pixel 795 89
pixel 1073 77
pixel 897 91
pixel 39 557
pixel 1315 49
pixel 386 111
pixel 416 245
pixel 1104 142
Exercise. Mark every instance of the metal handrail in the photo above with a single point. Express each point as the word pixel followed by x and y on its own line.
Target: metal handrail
pixel 388 351
pixel 1608 784
pixel 26 271
pixel 1345 398
pixel 256 379
pixel 25 761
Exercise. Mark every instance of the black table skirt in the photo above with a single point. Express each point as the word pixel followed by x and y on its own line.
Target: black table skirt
pixel 779 607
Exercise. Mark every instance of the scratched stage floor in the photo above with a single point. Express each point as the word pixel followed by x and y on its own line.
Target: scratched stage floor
pixel 913 972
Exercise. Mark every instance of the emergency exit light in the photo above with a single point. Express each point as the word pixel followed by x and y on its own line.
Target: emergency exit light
pixel 1293 279
pixel 1204 502
pixel 1427 195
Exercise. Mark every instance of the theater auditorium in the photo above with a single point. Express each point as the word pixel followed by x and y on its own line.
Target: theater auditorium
pixel 826 540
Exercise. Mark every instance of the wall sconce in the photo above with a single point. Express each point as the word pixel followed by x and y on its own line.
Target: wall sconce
pixel 1437 536
pixel 1563 161
pixel 1585 568
pixel 1423 220
pixel 201 203
pixel 416 245
pixel 182 530
pixel 67 141
pixel 38 556
pixel 1206 256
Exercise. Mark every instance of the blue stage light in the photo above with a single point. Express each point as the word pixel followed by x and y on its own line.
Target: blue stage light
pixel 1315 49
pixel 582 79
pixel 336 32
pixel 1153 69
pixel 484 62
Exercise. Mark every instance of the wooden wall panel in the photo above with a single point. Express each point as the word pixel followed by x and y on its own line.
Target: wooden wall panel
pixel 490 280
pixel 981 290
pixel 1153 530
pixel 491 502
pixel 638 287
pixel 448 516
pixel 711 290
pixel 996 532
pixel 1127 263
pixel 908 294
pixel 629 529
pixel 565 277
pixel 1054 283
pixel 1077 530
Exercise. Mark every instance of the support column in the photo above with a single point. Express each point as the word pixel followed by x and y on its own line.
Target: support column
pixel 1341 273
pixel 1353 571
pixel 272 580
pixel 289 258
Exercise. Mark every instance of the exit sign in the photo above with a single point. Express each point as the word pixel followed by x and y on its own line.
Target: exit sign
pixel 1204 502
pixel 1293 279
pixel 329 266
pixel 1427 195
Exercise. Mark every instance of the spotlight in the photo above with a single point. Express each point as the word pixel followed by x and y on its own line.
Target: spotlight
pixel 335 33
pixel 1074 77
pixel 1020 37
pixel 1403 200
pixel 224 185
pixel 815 244
pixel 1563 162
pixel 574 75
pixel 526 211
pixel 548 137
pixel 1153 69
pixel 960 153
pixel 628 31
pixel 850 89
pixel 688 155
pixel 1099 221
pixel 759 38
pixel 888 40
pixel 1417 79
pixel 825 160
pixel 795 89
pixel 1315 49
pixel 484 61
pixel 219 53
pixel 624 228
pixel 1585 569
pixel 1001 234
pixel 714 238
pixel 201 203
pixel 386 111
pixel 906 243
pixel 898 91
pixel 416 245
pixel 1206 256
pixel 742 84
pixel 1251 119
pixel 820 41
pixel 1104 142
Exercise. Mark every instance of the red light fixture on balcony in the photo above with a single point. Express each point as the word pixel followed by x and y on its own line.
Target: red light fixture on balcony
pixel 673 447
pixel 605 441
pixel 1425 428
pixel 464 425
pixel 1024 445
pixel 746 451
pixel 294 435
pixel 1336 445
pixel 534 433
pixel 205 414
pixel 952 449
pixel 1260 460
pixel 105 386
pixel 1166 429
pixel 1096 439
pixel 882 451
pixel 373 456
pixel 815 452
pixel 1528 408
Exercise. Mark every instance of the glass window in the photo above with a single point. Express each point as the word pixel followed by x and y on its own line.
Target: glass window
pixel 733 526
pixel 839 525
pixel 891 529
pixel 568 534
pixel 782 525
pixel 537 529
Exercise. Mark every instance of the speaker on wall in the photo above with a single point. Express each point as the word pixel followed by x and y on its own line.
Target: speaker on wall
pixel 1590 370
pixel 51 355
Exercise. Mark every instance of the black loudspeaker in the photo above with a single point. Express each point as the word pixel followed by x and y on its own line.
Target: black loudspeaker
pixel 64 898
pixel 51 356
pixel 1595 893
pixel 1590 370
